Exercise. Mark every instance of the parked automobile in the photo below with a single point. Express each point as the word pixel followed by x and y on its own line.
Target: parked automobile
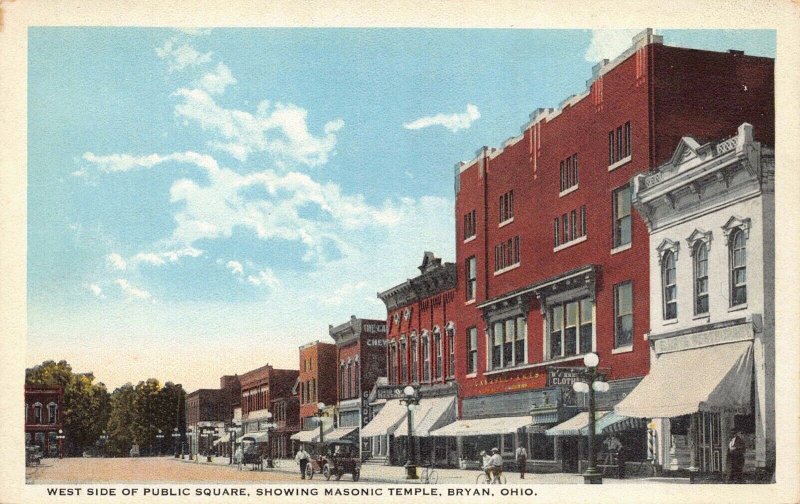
pixel 33 455
pixel 334 459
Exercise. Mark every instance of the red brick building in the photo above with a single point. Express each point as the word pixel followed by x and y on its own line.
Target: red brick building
pixel 421 352
pixel 44 418
pixel 261 387
pixel 551 261
pixel 286 417
pixel 316 380
pixel 206 411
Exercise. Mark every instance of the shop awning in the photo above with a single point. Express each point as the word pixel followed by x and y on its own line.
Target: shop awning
pixel 224 439
pixel 258 437
pixel 339 433
pixel 576 426
pixel 712 379
pixel 386 421
pixel 613 422
pixel 483 426
pixel 431 413
pixel 310 436
pixel 545 417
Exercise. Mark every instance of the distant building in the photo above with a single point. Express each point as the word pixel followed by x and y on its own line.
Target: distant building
pixel 43 417
pixel 286 419
pixel 206 414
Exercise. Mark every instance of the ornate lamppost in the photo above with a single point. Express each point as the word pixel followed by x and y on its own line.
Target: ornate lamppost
pixel 591 383
pixel 104 440
pixel 210 433
pixel 175 439
pixel 232 439
pixel 60 436
pixel 160 437
pixel 319 414
pixel 270 427
pixel 411 400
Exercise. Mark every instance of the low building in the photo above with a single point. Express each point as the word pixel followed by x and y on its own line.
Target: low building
pixel 710 211
pixel 260 388
pixel 44 418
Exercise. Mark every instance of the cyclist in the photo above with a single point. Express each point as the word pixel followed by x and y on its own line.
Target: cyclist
pixel 496 465
pixel 486 464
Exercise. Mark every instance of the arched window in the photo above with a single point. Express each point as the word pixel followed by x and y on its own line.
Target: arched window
pixel 356 378
pixel 414 358
pixel 701 278
pixel 738 261
pixel 403 359
pixel 670 289
pixel 52 413
pixel 437 348
pixel 341 379
pixel 37 413
pixel 426 357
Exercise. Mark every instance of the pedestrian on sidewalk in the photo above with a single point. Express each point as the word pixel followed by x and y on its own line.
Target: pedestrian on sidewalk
pixel 736 449
pixel 302 459
pixel 522 460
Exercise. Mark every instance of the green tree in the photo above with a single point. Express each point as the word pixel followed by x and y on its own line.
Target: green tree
pixel 120 422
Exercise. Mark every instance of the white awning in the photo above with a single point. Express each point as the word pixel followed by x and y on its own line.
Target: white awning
pixel 713 379
pixel 258 437
pixel 483 426
pixel 431 413
pixel 386 421
pixel 576 426
pixel 309 436
pixel 339 433
pixel 224 439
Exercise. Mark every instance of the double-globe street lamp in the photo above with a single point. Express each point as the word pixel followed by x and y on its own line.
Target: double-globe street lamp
pixel 411 400
pixel 104 440
pixel 232 438
pixel 160 437
pixel 270 427
pixel 175 437
pixel 60 436
pixel 319 414
pixel 210 434
pixel 591 382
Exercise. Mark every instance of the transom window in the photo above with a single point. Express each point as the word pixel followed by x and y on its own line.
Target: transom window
pixel 622 216
pixel 701 278
pixel 738 261
pixel 507 206
pixel 508 343
pixel 670 289
pixel 623 314
pixel 571 328
pixel 472 350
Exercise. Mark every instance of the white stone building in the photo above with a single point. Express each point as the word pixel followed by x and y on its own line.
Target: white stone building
pixel 710 212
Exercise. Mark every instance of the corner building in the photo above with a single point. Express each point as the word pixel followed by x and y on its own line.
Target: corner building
pixel 551 261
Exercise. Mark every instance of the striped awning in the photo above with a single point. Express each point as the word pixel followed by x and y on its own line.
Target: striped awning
pixel 576 426
pixel 545 417
pixel 613 422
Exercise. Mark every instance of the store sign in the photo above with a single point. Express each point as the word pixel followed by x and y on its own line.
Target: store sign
pixel 376 342
pixel 564 376
pixel 389 393
pixel 375 328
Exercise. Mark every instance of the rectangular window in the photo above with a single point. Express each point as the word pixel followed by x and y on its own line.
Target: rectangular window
pixel 738 261
pixel 568 171
pixel 414 366
pixel 573 223
pixel 701 279
pixel 627 140
pixel 470 225
pixel 556 234
pixel 621 201
pixel 565 228
pixel 426 359
pixel 508 346
pixel 496 347
pixel 507 206
pixel 437 342
pixel 472 350
pixel 623 315
pixel 403 361
pixel 574 169
pixel 571 325
pixel 506 254
pixel 520 355
pixel 472 278
pixel 451 348
pixel 611 158
pixel 583 220
pixel 563 178
pixel 619 143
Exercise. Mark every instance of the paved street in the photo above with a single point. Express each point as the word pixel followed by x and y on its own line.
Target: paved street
pixel 171 470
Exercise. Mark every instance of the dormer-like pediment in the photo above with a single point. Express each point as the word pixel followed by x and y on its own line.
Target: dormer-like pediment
pixel 688 150
pixel 665 246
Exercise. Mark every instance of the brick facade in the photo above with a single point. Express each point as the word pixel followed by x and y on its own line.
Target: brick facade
pixel 44 417
pixel 317 382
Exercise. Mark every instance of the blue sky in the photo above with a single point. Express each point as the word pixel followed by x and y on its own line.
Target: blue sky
pixel 203 202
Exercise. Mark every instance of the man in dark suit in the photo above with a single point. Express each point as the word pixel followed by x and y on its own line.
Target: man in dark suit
pixel 736 448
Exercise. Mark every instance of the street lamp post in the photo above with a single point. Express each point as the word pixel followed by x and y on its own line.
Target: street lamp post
pixel 175 439
pixel 210 432
pixel 591 385
pixel 60 437
pixel 104 439
pixel 232 434
pixel 270 427
pixel 160 437
pixel 319 414
pixel 411 400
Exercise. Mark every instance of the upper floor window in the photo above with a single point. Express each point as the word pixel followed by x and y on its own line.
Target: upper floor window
pixel 506 254
pixel 619 143
pixel 701 278
pixel 393 363
pixel 472 350
pixel 621 200
pixel 738 262
pixel 451 350
pixel 508 343
pixel 341 380
pixel 470 225
pixel 623 314
pixel 570 226
pixel 414 358
pixel 568 171
pixel 472 277
pixel 670 290
pixel 426 357
pixel 356 379
pixel 506 207
pixel 403 360
pixel 37 413
pixel 52 413
pixel 571 328
pixel 437 348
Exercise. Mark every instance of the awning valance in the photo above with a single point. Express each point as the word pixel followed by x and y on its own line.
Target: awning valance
pixel 613 422
pixel 431 413
pixel 576 426
pixel 386 421
pixel 713 379
pixel 545 417
pixel 483 426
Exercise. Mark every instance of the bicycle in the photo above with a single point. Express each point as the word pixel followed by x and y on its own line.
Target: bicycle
pixel 644 468
pixel 485 479
pixel 429 475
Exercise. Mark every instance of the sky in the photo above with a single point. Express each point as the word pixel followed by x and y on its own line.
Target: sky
pixel 202 202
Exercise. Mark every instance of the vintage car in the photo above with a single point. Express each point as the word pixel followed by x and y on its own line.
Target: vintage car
pixel 249 453
pixel 334 459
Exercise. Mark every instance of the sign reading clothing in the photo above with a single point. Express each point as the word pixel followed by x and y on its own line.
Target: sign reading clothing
pixel 565 378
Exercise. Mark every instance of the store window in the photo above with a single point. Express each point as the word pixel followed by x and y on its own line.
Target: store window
pixel 571 328
pixel 623 314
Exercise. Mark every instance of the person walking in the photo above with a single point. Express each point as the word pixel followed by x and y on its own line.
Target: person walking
pixel 302 458
pixel 736 448
pixel 522 460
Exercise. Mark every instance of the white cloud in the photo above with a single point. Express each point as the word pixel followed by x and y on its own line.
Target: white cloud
pixel 97 291
pixel 453 122
pixel 116 261
pixel 130 290
pixel 344 293
pixel 235 267
pixel 179 57
pixel 608 44
pixel 279 129
pixel 264 278
pixel 216 81
pixel 161 258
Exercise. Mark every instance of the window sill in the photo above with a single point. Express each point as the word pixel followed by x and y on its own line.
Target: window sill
pixel 507 268
pixel 472 375
pixel 560 359
pixel 570 243
pixel 506 222
pixel 568 190
pixel 702 316
pixel 738 307
pixel 621 248
pixel 508 369
pixel 622 349
pixel 471 301
pixel 619 163
pixel 471 238
pixel 669 321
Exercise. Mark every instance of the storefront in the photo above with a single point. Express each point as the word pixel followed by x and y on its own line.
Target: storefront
pixel 430 414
